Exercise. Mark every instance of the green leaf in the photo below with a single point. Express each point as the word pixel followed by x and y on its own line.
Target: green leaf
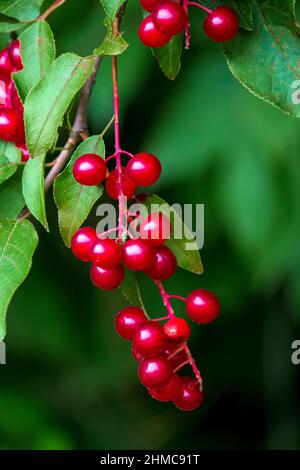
pixel 34 188
pixel 11 196
pixel 21 10
pixel 186 259
pixel 73 200
pixel 111 45
pixel 266 61
pixel 9 155
pixel 38 53
pixel 48 101
pixel 130 290
pixel 111 7
pixel 18 241
pixel 168 57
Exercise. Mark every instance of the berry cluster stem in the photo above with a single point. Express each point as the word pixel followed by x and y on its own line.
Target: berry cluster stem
pixel 51 9
pixel 185 5
pixel 198 5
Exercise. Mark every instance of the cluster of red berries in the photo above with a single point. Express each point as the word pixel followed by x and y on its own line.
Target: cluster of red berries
pixel 168 18
pixel 11 107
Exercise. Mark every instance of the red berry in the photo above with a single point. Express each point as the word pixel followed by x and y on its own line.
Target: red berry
pixel 137 255
pixel 107 279
pixel 151 36
pixel 177 329
pixel 168 393
pixel 149 339
pixel 202 306
pixel 144 169
pixel 6 67
pixel 164 266
pixel 175 354
pixel 25 152
pixel 111 185
pixel 169 17
pixel 5 94
pixel 128 320
pixel 155 372
pixel 156 228
pixel 15 54
pixel 221 24
pixel 82 241
pixel 89 169
pixel 149 4
pixel 15 100
pixel 105 253
pixel 189 396
pixel 11 125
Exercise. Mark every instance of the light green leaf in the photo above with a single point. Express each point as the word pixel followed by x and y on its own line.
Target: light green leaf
pixel 168 56
pixel 18 241
pixel 111 7
pixel 9 156
pixel 48 101
pixel 22 10
pixel 34 188
pixel 74 201
pixel 130 290
pixel 38 53
pixel 111 45
pixel 11 196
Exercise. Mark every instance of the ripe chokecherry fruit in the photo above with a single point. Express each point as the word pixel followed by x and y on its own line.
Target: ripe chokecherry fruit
pixel 15 99
pixel 177 329
pixel 150 36
pixel 11 125
pixel 137 254
pixel 221 24
pixel 89 169
pixel 14 54
pixel 128 320
pixel 6 67
pixel 25 152
pixel 149 339
pixel 107 279
pixel 189 396
pixel 148 5
pixel 155 372
pixel 105 253
pixel 169 17
pixel 144 169
pixel 82 241
pixel 202 306
pixel 168 393
pixel 111 185
pixel 156 228
pixel 164 266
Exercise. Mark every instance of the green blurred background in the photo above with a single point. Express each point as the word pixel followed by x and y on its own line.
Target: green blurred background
pixel 70 382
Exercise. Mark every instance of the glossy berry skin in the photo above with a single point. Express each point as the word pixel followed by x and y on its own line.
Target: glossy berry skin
pixel 137 255
pixel 82 241
pixel 25 152
pixel 89 169
pixel 14 54
pixel 189 397
pixel 169 17
pixel 5 94
pixel 177 329
pixel 148 5
pixel 202 306
pixel 105 253
pixel 6 67
pixel 150 36
pixel 164 266
pixel 144 169
pixel 221 24
pixel 149 339
pixel 168 393
pixel 128 320
pixel 111 185
pixel 155 372
pixel 11 125
pixel 107 279
pixel 15 100
pixel 156 229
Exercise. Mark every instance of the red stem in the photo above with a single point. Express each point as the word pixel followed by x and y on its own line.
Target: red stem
pixel 198 5
pixel 171 296
pixel 51 9
pixel 187 27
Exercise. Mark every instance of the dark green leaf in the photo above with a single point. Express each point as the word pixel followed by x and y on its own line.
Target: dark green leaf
pixel 11 196
pixel 73 200
pixel 168 57
pixel 18 241
pixel 111 7
pixel 130 290
pixel 111 45
pixel 34 188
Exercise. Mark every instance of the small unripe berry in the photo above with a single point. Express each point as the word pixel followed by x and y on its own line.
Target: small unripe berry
pixel 177 329
pixel 150 36
pixel 128 320
pixel 189 396
pixel 148 5
pixel 202 306
pixel 137 255
pixel 89 169
pixel 164 266
pixel 82 241
pixel 221 24
pixel 149 339
pixel 15 55
pixel 11 125
pixel 169 17
pixel 156 228
pixel 107 279
pixel 155 372
pixel 105 253
pixel 144 169
pixel 111 185
pixel 168 393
